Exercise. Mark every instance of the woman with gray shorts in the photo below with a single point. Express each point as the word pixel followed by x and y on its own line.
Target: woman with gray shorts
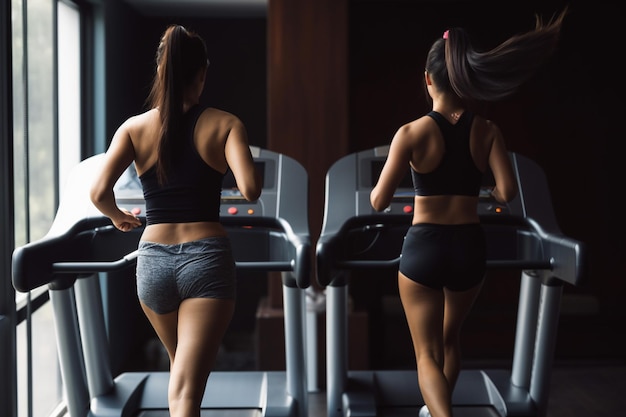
pixel 185 267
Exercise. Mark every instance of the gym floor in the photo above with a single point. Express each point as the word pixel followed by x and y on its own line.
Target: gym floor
pixel 577 390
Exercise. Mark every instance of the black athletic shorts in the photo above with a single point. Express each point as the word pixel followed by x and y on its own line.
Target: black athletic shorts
pixel 441 255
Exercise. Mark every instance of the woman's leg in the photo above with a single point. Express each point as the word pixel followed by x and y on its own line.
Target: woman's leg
pixel 424 310
pixel 457 306
pixel 165 326
pixel 192 337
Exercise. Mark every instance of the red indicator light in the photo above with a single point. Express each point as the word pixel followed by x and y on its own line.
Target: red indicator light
pixel 136 211
pixel 407 209
pixel 232 210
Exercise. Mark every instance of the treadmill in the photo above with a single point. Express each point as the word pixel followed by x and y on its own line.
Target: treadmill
pixel 521 235
pixel 270 234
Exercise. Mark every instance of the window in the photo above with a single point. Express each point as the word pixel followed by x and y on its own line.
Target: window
pixel 46 73
pixel 69 100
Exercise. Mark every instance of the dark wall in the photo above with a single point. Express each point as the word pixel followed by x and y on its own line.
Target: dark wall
pixel 236 79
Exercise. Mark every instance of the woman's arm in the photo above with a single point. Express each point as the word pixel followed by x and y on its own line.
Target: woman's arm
pixel 117 158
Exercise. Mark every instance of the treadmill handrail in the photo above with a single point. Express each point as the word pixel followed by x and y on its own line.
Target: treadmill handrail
pixel 47 270
pixel 31 273
pixel 514 264
pixel 92 267
pixel 563 256
pixel 131 258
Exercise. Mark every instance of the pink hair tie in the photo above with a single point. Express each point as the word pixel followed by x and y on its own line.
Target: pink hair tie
pixel 445 34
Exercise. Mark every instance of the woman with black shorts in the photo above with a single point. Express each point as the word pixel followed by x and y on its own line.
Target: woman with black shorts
pixel 442 265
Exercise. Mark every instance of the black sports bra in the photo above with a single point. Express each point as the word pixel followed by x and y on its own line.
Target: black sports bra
pixel 457 173
pixel 193 190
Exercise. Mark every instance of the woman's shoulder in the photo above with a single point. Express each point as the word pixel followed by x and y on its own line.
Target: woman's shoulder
pixel 483 121
pixel 147 116
pixel 418 126
pixel 419 129
pixel 418 134
pixel 485 131
pixel 140 122
pixel 485 125
pixel 219 116
pixel 214 121
pixel 217 113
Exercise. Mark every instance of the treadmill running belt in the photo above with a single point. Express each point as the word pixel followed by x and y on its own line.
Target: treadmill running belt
pixel 206 413
pixel 469 411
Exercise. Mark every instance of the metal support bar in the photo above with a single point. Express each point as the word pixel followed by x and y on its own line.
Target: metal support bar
pixel 70 352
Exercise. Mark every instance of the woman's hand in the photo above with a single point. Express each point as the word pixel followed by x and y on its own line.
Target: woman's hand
pixel 126 221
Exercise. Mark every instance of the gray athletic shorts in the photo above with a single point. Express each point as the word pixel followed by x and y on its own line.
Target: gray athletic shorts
pixel 169 274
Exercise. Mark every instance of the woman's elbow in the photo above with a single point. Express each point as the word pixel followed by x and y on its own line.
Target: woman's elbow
pixel 504 194
pixel 251 193
pixel 377 203
pixel 101 193
pixel 96 195
pixel 510 195
pixel 252 189
pixel 255 195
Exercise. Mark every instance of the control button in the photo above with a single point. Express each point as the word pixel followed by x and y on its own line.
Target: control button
pixel 407 209
pixel 498 209
pixel 136 211
pixel 250 211
pixel 232 210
